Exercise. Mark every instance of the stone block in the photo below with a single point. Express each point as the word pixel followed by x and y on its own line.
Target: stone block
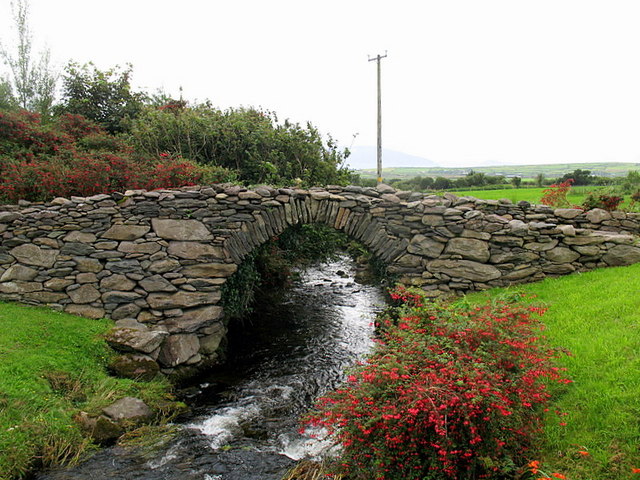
pixel 178 349
pixel 33 255
pixel 469 248
pixel 182 230
pixel 166 301
pixel 205 270
pixel 126 232
pixel 83 294
pixel 466 269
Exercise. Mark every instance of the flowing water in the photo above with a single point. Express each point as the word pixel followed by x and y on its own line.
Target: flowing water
pixel 245 419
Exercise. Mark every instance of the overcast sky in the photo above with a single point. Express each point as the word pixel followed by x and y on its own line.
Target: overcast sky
pixel 465 81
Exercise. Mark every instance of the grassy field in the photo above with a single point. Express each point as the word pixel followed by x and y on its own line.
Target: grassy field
pixel 576 195
pixel 596 317
pixel 53 365
pixel 525 171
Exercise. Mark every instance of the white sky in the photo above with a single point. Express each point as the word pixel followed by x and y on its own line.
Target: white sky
pixel 465 81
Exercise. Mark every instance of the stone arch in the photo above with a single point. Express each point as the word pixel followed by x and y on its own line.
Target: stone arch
pixel 320 207
pixel 155 261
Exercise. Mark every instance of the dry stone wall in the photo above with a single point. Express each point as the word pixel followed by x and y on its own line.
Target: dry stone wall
pixel 155 261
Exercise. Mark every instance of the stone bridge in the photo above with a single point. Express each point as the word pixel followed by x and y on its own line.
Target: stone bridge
pixel 155 261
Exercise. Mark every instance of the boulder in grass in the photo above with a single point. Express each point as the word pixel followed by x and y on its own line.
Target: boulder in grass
pixel 128 411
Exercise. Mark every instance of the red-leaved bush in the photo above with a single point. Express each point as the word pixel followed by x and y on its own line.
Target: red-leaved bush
pixel 556 195
pixel 73 156
pixel 450 393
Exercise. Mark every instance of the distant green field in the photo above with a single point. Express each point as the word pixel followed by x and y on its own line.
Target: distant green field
pixel 533 195
pixel 524 171
pixel 576 195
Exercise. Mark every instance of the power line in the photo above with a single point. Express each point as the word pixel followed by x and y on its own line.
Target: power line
pixel 377 59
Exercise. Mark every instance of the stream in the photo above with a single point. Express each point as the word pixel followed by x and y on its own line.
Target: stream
pixel 245 415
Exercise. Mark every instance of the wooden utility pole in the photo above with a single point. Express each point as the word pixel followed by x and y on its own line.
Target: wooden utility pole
pixel 377 58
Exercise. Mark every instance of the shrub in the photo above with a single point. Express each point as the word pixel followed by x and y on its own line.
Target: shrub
pixel 451 393
pixel 556 194
pixel 604 201
pixel 74 156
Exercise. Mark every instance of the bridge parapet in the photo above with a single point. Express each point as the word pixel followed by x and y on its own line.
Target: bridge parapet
pixel 156 261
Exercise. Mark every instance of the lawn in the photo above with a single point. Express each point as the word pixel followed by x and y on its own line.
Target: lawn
pixel 53 365
pixel 596 317
pixel 533 195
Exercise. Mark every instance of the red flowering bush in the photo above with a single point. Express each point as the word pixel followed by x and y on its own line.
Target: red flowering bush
pixel 450 393
pixel 74 156
pixel 556 194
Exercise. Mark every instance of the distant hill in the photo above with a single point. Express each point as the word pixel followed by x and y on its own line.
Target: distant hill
pixel 366 158
pixel 550 171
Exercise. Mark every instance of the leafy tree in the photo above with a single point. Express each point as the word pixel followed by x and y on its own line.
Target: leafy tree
pixel 540 179
pixel 631 182
pixel 579 176
pixel 250 141
pixel 516 182
pixel 102 96
pixel 442 183
pixel 7 100
pixel 32 80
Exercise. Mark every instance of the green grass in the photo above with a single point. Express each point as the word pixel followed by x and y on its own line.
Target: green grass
pixel 533 195
pixel 576 195
pixel 550 171
pixel 596 317
pixel 53 365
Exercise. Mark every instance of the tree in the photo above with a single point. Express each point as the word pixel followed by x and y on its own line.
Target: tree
pixel 540 179
pixel 102 96
pixel 442 183
pixel 580 177
pixel 247 140
pixel 7 100
pixel 32 81
pixel 516 182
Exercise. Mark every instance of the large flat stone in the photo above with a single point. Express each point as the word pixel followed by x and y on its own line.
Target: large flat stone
pixel 469 248
pixel 177 349
pixel 19 272
pixel 194 250
pixel 20 287
pixel 185 230
pixel 562 255
pixel 33 255
pixel 84 294
pixel 205 270
pixel 143 248
pixel 126 232
pixel 622 255
pixel 164 301
pixel 477 272
pixel 131 340
pixel 157 283
pixel 425 246
pixel 193 320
